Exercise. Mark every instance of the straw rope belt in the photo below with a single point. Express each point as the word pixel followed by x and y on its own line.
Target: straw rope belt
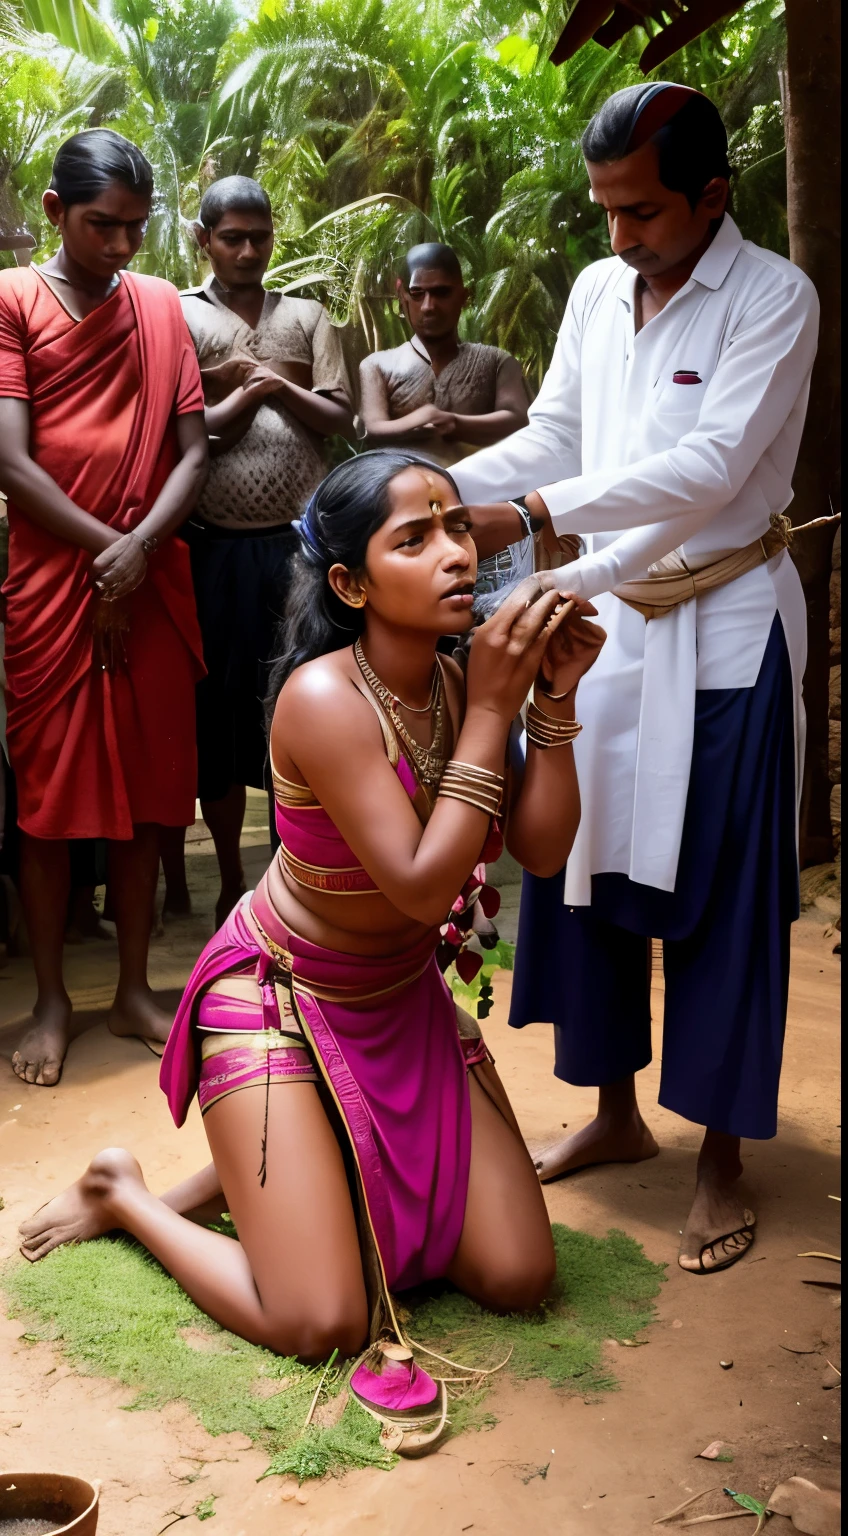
pixel 670 582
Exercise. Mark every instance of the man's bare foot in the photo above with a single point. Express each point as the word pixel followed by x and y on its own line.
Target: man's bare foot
pixel 230 897
pixel 40 1055
pixel 90 1208
pixel 135 1014
pixel 602 1141
pixel 719 1229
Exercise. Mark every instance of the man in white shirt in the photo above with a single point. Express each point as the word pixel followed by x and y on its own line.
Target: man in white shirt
pixel 667 431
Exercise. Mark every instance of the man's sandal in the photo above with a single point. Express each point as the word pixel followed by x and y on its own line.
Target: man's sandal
pixel 734 1246
pixel 409 1404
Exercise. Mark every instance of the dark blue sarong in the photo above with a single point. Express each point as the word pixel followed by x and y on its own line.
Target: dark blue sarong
pixel 725 929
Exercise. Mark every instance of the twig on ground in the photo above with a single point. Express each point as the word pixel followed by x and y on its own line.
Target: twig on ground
pixel 731 1514
pixel 312 1405
pixel 472 1370
pixel 716 1488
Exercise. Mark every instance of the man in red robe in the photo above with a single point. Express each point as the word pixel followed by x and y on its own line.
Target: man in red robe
pixel 102 455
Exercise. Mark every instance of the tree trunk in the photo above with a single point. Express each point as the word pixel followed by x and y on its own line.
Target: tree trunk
pixel 812 116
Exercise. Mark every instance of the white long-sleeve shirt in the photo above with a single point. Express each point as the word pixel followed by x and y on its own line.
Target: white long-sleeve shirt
pixel 639 462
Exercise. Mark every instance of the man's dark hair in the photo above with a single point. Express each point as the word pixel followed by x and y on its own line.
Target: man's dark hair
pixel 687 129
pixel 92 160
pixel 431 255
pixel 233 194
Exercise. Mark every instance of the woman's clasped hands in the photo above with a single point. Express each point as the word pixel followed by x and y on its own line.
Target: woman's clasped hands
pixel 534 634
pixel 120 567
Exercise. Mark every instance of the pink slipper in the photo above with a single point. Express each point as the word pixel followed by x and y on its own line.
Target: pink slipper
pixel 409 1404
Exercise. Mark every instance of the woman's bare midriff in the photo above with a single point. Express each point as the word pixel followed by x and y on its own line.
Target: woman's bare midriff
pixel 355 925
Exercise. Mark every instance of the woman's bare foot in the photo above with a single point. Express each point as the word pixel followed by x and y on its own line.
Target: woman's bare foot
pixel 136 1014
pixel 604 1140
pixel 41 1053
pixel 90 1208
pixel 719 1229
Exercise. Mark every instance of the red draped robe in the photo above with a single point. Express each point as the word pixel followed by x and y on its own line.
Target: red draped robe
pixel 95 751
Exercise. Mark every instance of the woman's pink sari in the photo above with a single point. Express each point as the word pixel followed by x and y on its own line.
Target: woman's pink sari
pixel 384 1037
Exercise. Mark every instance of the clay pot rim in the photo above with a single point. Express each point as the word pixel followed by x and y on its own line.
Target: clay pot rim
pixel 93 1483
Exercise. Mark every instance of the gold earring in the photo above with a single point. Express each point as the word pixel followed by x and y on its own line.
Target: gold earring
pixel 357 602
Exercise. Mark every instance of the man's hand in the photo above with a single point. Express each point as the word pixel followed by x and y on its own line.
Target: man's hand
pixel 120 568
pixel 261 382
pixel 433 422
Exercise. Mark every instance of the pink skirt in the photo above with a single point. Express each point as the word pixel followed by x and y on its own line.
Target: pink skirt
pixel 381 1035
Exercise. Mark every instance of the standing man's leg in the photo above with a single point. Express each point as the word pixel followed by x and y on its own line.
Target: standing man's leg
pixel 725 931
pixel 45 881
pixel 592 980
pixel 726 992
pixel 225 819
pixel 177 902
pixel 133 872
pixel 727 977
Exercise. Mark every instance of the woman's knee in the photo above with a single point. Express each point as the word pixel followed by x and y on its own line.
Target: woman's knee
pixel 517 1283
pixel 313 1334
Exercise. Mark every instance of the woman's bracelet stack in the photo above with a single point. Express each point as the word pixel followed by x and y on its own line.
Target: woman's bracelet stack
pixel 475 786
pixel 544 730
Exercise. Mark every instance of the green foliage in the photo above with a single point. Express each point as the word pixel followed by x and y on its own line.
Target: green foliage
pixel 471 994
pixel 118 1314
pixel 605 1289
pixel 747 1502
pixel 373 124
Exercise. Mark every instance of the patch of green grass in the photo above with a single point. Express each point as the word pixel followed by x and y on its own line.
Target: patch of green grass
pixel 605 1289
pixel 118 1314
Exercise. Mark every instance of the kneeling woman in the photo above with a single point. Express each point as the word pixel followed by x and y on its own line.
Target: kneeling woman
pixel 360 1137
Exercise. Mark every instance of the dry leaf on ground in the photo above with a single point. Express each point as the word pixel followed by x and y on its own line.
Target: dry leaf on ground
pixel 710 1452
pixel 814 1511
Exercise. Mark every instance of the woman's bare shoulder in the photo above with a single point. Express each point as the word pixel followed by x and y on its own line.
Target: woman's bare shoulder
pixel 321 696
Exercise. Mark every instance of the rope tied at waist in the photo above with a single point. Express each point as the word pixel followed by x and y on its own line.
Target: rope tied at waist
pixel 670 582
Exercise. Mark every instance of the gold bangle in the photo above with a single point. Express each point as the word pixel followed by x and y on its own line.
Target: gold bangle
pixel 547 722
pixel 547 735
pixel 482 791
pixel 545 730
pixel 542 714
pixel 542 745
pixel 472 769
pixel 467 798
pixel 467 782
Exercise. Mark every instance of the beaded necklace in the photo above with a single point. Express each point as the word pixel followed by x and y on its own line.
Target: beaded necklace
pixel 429 761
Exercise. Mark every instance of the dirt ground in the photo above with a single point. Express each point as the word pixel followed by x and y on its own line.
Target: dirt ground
pixel 554 1463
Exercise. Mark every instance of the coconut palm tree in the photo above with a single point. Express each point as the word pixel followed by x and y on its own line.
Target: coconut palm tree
pixel 374 124
pixel 127 63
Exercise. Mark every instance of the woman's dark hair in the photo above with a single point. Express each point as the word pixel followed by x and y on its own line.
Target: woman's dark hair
pixel 89 162
pixel 233 194
pixel 686 127
pixel 347 508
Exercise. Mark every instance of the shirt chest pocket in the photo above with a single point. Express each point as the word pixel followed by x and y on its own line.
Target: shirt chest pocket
pixel 678 396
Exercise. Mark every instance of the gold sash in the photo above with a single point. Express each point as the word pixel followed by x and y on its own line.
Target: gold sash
pixel 670 582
